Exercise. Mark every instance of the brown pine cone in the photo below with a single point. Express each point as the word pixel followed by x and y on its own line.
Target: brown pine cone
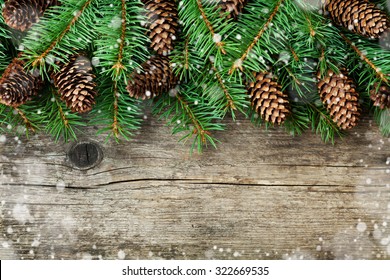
pixel 75 83
pixel 359 16
pixel 380 95
pixel 338 93
pixel 22 14
pixel 155 78
pixel 17 86
pixel 268 100
pixel 163 24
pixel 232 7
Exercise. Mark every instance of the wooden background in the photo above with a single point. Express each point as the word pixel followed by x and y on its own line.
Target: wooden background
pixel 260 195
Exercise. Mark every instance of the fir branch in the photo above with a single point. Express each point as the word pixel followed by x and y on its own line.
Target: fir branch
pixel 63 30
pixel 115 109
pixel 382 118
pixel 205 28
pixel 186 54
pixel 188 112
pixel 322 123
pixel 27 122
pixel 198 130
pixel 230 103
pixel 118 66
pixel 120 47
pixel 377 70
pixel 223 92
pixel 239 61
pixel 219 44
pixel 58 119
pixel 116 112
pixel 185 61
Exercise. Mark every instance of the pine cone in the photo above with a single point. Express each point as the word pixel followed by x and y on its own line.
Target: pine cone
pixel 359 16
pixel 17 86
pixel 156 77
pixel 22 14
pixel 268 99
pixel 380 95
pixel 75 84
pixel 233 7
pixel 163 24
pixel 338 93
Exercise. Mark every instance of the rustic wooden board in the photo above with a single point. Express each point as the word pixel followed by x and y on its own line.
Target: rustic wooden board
pixel 260 195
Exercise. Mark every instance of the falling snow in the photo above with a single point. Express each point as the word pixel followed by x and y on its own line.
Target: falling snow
pixel 121 255
pixel 115 23
pixel 217 38
pixel 21 213
pixel 60 186
pixel 238 63
pixel 3 138
pixel 361 227
pixel 95 61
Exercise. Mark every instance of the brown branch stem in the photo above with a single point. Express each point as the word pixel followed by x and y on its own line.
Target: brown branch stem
pixel 377 70
pixel 198 128
pixel 26 121
pixel 230 102
pixel 115 128
pixel 219 44
pixel 257 38
pixel 39 59
pixel 119 65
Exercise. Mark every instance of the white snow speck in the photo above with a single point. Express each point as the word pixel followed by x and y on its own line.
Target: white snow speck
pixel 121 255
pixel 95 61
pixel 10 230
pixel 238 36
pixel 236 254
pixel 238 63
pixel 173 92
pixel 115 23
pixel 361 227
pixel 35 243
pixel 60 186
pixel 319 248
pixel 86 256
pixel 21 213
pixel 148 93
pixel 388 161
pixel 3 138
pixel 5 244
pixel 50 59
pixel 385 241
pixel 368 181
pixel 217 38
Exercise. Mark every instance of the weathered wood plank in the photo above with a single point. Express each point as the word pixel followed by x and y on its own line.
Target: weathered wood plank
pixel 260 195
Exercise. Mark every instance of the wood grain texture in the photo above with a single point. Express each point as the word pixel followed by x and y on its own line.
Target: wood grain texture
pixel 260 195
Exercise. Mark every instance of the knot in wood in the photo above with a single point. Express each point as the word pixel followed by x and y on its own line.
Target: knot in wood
pixel 85 155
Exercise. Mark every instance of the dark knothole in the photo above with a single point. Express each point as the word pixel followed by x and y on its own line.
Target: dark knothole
pixel 85 155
